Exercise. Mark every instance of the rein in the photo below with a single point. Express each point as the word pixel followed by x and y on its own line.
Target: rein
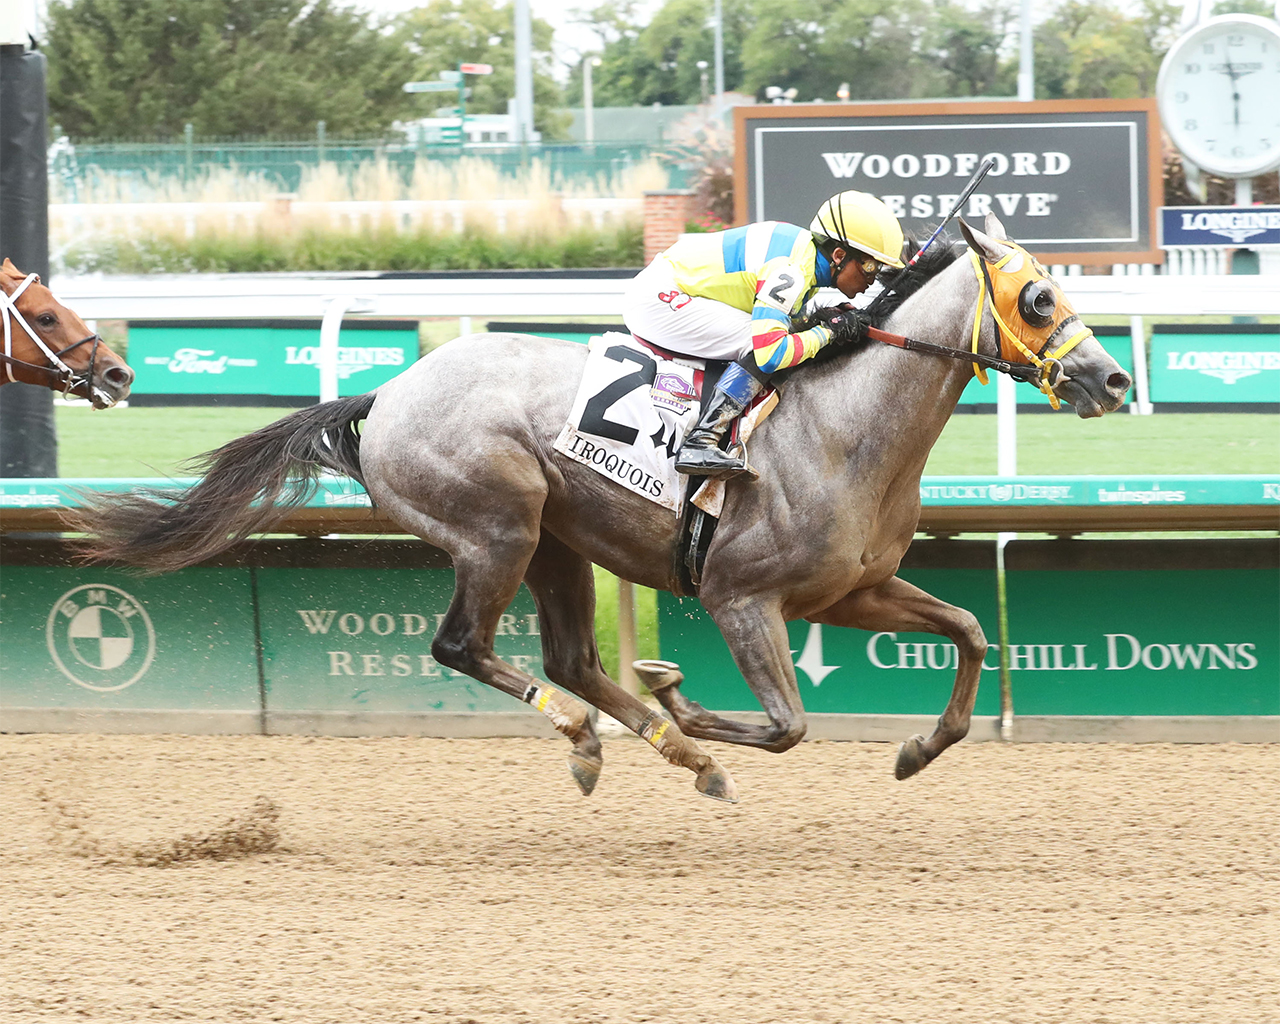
pixel 57 376
pixel 1019 371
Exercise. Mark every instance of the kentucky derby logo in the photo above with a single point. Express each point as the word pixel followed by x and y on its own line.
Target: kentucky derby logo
pixel 100 637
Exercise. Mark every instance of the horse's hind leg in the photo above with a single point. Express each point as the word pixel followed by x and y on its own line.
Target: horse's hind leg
pixel 896 606
pixel 485 585
pixel 563 587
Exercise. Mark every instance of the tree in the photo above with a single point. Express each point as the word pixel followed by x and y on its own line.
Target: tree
pixel 658 63
pixel 877 46
pixel 1092 49
pixel 122 68
pixel 965 44
pixel 442 33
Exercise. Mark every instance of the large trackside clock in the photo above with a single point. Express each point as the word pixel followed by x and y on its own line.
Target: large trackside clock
pixel 1219 95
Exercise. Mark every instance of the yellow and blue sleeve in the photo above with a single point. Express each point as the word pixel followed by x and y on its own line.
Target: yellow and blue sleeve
pixel 781 289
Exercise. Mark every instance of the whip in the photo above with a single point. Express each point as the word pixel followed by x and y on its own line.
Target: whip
pixel 974 182
pixel 878 303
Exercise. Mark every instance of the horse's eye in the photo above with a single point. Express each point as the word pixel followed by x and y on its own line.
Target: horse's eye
pixel 46 320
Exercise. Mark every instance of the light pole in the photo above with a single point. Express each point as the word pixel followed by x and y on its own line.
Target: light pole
pixel 719 58
pixel 524 71
pixel 588 104
pixel 702 67
pixel 1026 55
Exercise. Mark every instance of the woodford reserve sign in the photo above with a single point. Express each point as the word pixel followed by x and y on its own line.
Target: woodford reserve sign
pixel 1075 181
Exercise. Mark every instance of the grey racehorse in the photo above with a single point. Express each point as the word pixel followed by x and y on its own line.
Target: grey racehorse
pixel 458 450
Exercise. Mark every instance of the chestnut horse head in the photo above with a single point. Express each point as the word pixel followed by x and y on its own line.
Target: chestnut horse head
pixel 46 344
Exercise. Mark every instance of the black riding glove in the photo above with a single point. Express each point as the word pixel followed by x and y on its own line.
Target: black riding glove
pixel 845 323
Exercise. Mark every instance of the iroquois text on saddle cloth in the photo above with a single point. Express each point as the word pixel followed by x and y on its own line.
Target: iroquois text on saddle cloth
pixel 630 416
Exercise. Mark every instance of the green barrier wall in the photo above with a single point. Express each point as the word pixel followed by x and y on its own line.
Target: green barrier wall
pixel 98 638
pixel 1215 365
pixel 1145 628
pixel 264 358
pixel 329 640
pixel 1261 489
pixel 1119 637
pixel 840 670
pixel 360 640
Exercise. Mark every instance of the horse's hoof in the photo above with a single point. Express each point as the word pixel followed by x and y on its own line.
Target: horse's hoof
pixel 585 771
pixel 658 675
pixel 716 783
pixel 911 758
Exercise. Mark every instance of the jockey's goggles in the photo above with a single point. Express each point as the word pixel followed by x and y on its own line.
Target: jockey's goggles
pixel 1023 294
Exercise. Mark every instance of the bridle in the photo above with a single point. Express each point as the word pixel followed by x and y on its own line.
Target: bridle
pixel 1017 359
pixel 1045 327
pixel 57 375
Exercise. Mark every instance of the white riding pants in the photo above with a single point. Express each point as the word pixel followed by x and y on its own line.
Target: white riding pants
pixel 655 309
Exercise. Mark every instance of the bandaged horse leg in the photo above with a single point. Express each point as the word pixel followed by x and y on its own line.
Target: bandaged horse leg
pixel 563 588
pixel 485 586
pixel 757 637
pixel 896 606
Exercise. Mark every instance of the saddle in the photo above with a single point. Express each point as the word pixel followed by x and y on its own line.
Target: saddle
pixel 704 496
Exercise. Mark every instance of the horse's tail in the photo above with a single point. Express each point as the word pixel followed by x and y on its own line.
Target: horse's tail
pixel 248 486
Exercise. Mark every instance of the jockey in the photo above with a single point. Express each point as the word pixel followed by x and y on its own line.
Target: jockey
pixel 732 294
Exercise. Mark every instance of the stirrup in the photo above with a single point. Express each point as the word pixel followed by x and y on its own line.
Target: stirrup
pixel 713 462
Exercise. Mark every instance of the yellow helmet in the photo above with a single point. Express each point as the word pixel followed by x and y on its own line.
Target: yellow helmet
pixel 860 221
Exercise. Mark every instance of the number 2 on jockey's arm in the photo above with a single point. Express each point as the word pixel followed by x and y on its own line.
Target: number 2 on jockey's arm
pixel 593 420
pixel 783 286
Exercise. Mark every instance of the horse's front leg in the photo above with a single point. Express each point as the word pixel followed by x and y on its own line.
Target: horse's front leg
pixel 896 606
pixel 757 637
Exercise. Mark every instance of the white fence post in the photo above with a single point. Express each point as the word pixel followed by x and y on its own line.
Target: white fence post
pixel 1141 404
pixel 627 677
pixel 330 326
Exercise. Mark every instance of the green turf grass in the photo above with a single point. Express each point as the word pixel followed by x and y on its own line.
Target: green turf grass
pixel 153 442
pixel 1063 444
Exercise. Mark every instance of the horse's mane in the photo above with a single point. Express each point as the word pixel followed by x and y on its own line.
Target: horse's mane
pixel 899 286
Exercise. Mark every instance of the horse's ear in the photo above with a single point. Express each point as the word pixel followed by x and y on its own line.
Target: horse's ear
pixel 10 269
pixel 994 228
pixel 981 243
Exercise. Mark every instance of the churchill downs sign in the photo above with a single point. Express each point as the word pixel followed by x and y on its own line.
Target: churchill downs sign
pixel 1076 181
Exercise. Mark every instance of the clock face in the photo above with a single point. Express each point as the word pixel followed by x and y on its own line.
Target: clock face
pixel 1219 95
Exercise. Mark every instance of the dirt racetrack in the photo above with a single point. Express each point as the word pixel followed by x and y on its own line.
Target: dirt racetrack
pixel 467 881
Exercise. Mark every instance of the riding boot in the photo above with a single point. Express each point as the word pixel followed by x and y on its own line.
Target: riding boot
pixel 700 455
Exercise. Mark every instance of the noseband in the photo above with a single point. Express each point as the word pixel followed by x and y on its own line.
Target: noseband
pixel 57 375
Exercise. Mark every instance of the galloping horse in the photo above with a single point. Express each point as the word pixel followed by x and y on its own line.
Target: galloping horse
pixel 458 450
pixel 46 344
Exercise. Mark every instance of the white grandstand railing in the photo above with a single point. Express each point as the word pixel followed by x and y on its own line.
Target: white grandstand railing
pixel 498 296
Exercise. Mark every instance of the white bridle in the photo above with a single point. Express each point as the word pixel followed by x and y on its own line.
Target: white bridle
pixel 65 375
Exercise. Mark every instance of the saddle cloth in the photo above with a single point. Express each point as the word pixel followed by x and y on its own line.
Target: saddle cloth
pixel 632 411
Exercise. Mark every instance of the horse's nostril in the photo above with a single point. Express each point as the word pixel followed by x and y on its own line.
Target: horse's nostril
pixel 1119 382
pixel 120 376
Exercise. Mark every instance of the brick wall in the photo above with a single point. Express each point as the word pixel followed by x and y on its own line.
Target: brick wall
pixel 665 215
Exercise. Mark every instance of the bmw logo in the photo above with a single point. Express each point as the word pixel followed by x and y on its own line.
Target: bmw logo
pixel 100 637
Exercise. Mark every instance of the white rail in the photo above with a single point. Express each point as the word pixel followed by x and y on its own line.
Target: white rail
pixel 223 296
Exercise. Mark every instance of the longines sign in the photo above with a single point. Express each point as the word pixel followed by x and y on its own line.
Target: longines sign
pixel 1077 182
